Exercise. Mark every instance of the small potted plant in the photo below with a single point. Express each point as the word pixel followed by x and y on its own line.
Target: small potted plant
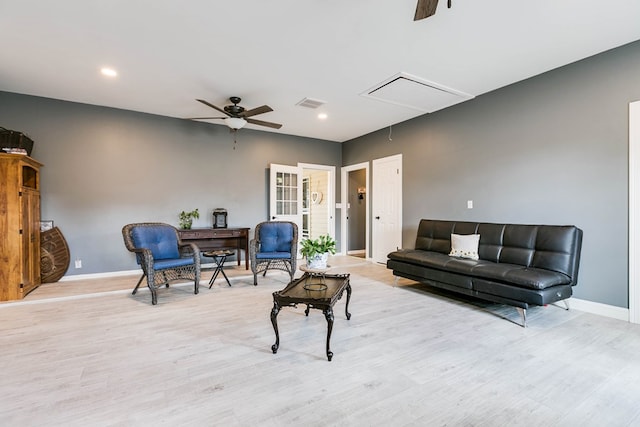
pixel 186 218
pixel 317 251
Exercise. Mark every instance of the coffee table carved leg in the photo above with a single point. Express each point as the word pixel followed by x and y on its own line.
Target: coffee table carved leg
pixel 346 307
pixel 274 322
pixel 328 314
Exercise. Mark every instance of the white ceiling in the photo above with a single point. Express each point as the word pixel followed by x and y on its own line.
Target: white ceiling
pixel 277 52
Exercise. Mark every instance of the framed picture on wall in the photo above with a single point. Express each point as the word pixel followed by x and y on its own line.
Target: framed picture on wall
pixel 46 225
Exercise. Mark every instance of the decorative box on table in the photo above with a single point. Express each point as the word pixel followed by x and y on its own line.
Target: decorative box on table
pixel 12 141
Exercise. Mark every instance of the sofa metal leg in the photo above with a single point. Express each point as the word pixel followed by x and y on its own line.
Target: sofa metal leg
pixel 523 314
pixel 565 302
pixel 395 281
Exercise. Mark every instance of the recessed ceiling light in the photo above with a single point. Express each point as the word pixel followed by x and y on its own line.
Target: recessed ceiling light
pixel 322 116
pixel 109 72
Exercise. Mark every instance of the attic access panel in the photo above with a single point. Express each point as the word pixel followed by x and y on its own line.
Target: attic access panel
pixel 413 92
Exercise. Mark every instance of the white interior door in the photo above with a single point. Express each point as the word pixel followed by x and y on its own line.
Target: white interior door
pixel 285 194
pixel 386 200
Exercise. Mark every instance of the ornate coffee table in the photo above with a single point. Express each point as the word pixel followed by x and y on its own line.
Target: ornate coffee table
pixel 299 292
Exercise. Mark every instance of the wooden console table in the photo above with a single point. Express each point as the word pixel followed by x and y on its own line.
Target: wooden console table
pixel 210 239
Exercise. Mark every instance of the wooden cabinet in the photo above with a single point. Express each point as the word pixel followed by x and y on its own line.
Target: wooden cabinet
pixel 19 226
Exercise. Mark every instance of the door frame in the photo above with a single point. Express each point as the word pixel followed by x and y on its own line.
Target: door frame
pixel 330 197
pixel 344 196
pixel 634 211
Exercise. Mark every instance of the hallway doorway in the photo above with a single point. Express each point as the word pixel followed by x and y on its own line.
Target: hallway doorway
pixel 355 210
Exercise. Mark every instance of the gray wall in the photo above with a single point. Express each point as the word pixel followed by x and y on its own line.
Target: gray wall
pixel 105 168
pixel 552 149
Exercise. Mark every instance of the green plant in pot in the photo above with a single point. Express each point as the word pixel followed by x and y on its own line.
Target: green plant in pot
pixel 186 218
pixel 317 251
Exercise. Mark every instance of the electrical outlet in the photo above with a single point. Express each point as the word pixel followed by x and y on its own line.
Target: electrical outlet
pixel 469 204
pixel 78 263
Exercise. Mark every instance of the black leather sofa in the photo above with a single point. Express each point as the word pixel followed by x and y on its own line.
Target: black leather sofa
pixel 518 265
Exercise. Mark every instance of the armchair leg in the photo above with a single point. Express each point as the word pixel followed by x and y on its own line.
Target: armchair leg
pixel 265 270
pixel 164 277
pixel 154 295
pixel 138 285
pixel 290 271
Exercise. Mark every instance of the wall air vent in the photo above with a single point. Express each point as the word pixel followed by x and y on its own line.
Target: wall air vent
pixel 413 92
pixel 310 103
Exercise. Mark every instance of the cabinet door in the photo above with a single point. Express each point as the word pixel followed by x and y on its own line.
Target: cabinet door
pixel 30 217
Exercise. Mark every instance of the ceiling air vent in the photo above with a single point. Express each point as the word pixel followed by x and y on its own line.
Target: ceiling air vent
pixel 310 103
pixel 414 92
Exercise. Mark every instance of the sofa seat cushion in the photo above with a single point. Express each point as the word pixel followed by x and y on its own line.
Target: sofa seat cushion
pixel 437 260
pixel 420 273
pixel 421 258
pixel 273 255
pixel 172 263
pixel 516 275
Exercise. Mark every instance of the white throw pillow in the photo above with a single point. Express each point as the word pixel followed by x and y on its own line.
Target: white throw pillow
pixel 465 246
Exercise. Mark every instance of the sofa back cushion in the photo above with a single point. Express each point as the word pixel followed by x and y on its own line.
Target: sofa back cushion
pixel 162 240
pixel 276 236
pixel 551 247
pixel 435 236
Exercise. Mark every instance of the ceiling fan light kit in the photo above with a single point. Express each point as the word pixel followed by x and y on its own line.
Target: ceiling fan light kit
pixel 235 123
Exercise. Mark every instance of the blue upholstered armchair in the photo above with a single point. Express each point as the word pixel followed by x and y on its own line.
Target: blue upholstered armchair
pixel 274 247
pixel 161 255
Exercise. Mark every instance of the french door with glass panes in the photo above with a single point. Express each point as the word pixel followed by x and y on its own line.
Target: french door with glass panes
pixel 286 194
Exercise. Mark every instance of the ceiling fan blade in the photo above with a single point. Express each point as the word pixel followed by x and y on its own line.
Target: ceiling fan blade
pixel 263 123
pixel 256 111
pixel 204 118
pixel 425 9
pixel 213 106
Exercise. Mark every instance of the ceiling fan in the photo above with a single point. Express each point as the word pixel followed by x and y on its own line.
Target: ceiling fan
pixel 236 116
pixel 426 8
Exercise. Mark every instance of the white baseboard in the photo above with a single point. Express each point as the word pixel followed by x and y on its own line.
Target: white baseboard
pixel 116 274
pixel 100 275
pixel 600 309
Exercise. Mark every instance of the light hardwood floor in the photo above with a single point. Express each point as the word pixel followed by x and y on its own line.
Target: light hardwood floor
pixel 88 353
